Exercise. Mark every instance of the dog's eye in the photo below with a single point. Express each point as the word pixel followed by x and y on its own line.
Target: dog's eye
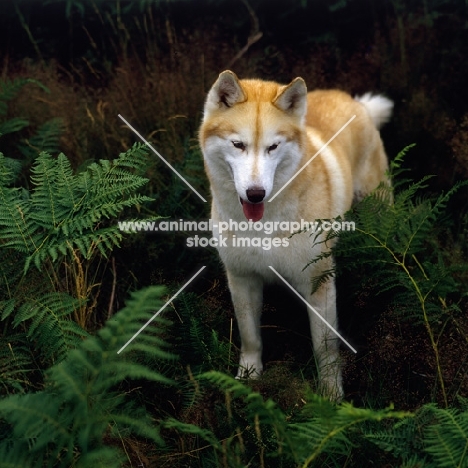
pixel 272 148
pixel 239 145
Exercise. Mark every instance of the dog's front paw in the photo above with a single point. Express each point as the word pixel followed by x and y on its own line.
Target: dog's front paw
pixel 246 373
pixel 250 367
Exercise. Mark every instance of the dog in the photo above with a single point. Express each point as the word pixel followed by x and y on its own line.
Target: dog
pixel 275 153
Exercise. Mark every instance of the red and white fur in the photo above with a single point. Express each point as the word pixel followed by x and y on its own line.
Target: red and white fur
pixel 255 136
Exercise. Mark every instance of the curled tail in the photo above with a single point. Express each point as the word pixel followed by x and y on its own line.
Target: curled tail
pixel 379 107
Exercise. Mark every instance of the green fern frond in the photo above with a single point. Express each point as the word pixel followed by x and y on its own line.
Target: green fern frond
pixel 433 438
pixel 326 427
pixel 64 212
pixel 13 458
pixel 57 246
pixel 321 429
pixel 51 177
pixel 389 237
pixel 15 230
pixel 263 420
pixel 46 139
pixel 206 435
pixel 447 440
pixel 13 125
pixel 395 243
pixel 199 345
pixel 398 159
pixel 258 409
pixel 48 322
pixel 10 170
pixel 16 362
pixel 322 279
pixel 80 415
pixel 396 169
pixel 403 439
pixel 225 382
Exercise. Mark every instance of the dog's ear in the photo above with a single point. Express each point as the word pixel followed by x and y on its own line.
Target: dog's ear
pixel 292 98
pixel 226 92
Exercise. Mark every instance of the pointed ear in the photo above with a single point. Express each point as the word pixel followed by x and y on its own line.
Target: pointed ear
pixel 293 98
pixel 226 92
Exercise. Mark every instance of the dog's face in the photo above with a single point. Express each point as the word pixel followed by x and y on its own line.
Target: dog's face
pixel 250 130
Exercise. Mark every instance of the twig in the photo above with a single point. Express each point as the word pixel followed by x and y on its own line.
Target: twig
pixel 255 34
pixel 114 282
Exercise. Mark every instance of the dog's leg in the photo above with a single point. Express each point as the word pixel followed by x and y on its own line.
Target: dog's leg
pixel 326 343
pixel 247 297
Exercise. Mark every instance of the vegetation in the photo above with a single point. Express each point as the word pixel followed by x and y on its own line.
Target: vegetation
pixel 74 289
pixel 394 244
pixel 82 413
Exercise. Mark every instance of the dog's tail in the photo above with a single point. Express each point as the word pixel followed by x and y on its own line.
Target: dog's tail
pixel 379 107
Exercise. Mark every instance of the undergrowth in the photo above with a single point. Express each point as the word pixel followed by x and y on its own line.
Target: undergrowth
pixel 88 414
pixel 82 417
pixel 398 246
pixel 54 239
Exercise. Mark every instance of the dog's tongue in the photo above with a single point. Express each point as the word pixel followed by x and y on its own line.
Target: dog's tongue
pixel 253 211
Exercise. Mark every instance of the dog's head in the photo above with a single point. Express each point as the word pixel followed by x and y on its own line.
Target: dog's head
pixel 252 136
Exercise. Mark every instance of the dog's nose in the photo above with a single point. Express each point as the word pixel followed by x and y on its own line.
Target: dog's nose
pixel 255 195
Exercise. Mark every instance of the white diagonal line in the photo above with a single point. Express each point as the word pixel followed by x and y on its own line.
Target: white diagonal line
pixel 161 309
pixel 157 154
pixel 313 310
pixel 312 158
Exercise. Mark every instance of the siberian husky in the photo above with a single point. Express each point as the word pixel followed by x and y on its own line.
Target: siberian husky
pixel 275 153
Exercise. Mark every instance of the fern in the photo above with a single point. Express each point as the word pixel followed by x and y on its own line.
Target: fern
pixel 49 324
pixel 60 226
pixel 46 139
pixel 394 242
pixel 396 167
pixel 327 427
pixel 79 418
pixel 16 363
pixel 320 429
pixel 199 344
pixel 262 418
pixel 433 438
pixel 14 207
pixel 447 441
pixel 64 211
pixel 13 125
pixel 39 330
